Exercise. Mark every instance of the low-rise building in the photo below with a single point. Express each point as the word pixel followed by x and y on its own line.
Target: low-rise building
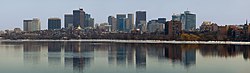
pixel 155 26
pixel 209 26
pixel 173 29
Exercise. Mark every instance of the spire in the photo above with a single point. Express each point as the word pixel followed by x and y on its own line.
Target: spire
pixel 246 22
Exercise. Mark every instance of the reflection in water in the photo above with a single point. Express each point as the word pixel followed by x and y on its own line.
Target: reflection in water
pixel 79 56
pixel 32 53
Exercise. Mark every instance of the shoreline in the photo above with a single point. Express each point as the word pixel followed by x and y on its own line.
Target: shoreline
pixel 136 41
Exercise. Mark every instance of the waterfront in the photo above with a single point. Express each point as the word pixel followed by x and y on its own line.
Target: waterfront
pixel 80 57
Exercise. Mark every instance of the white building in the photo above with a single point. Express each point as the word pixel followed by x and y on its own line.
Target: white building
pixel 32 25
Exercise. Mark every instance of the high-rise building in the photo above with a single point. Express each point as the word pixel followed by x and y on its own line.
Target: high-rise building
pixel 32 25
pixel 130 22
pixel 140 16
pixel 91 22
pixel 87 20
pixel 68 20
pixel 121 22
pixel 113 22
pixel 78 18
pixel 54 23
pixel 188 21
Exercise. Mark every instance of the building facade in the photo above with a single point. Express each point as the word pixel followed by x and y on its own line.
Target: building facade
pixel 112 21
pixel 54 23
pixel 68 21
pixel 32 25
pixel 140 16
pixel 209 26
pixel 78 18
pixel 187 19
pixel 130 22
pixel 173 29
pixel 155 26
pixel 121 22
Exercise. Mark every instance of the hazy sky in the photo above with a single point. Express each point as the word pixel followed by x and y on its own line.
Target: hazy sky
pixel 13 12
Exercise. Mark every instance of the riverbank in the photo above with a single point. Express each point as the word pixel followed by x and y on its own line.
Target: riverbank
pixel 135 41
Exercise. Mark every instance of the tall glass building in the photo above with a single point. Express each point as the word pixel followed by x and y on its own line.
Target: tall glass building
pixel 130 22
pixel 140 16
pixel 187 19
pixel 54 23
pixel 68 20
pixel 78 18
pixel 121 22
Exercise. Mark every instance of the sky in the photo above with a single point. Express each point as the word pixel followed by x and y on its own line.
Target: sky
pixel 222 12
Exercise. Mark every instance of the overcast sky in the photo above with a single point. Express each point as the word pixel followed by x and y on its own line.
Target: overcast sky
pixel 13 12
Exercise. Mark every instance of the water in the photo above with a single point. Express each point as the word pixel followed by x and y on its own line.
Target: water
pixel 79 57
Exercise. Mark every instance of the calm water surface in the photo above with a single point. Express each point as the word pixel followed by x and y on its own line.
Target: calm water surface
pixel 79 57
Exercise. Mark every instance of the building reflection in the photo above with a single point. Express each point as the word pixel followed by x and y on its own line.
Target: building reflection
pixel 32 53
pixel 140 56
pixel 79 56
pixel 54 53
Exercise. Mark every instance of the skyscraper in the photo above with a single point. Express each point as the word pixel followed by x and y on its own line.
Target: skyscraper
pixel 130 24
pixel 121 22
pixel 68 20
pixel 91 22
pixel 32 25
pixel 113 22
pixel 140 16
pixel 54 23
pixel 188 21
pixel 87 20
pixel 78 18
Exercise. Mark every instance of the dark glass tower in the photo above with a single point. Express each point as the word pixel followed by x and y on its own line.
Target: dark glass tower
pixel 78 18
pixel 140 16
pixel 54 23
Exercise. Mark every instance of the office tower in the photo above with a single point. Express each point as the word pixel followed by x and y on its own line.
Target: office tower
pixel 130 22
pixel 68 21
pixel 87 20
pixel 32 25
pixel 54 23
pixel 78 18
pixel 121 22
pixel 140 16
pixel 188 21
pixel 162 20
pixel 113 22
pixel 91 22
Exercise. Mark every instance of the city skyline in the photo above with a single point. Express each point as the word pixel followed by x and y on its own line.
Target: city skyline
pixel 232 12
